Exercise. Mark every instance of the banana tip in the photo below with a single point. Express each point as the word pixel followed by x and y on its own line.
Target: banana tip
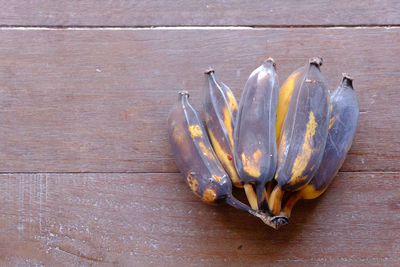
pixel 183 93
pixel 209 70
pixel 316 61
pixel 271 61
pixel 347 80
pixel 347 76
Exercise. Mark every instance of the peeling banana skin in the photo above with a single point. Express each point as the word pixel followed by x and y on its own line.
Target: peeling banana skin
pixel 196 159
pixel 220 109
pixel 303 134
pixel 342 129
pixel 255 152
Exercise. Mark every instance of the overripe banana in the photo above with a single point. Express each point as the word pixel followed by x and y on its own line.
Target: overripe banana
pixel 298 134
pixel 303 133
pixel 285 93
pixel 220 109
pixel 196 160
pixel 254 135
pixel 342 128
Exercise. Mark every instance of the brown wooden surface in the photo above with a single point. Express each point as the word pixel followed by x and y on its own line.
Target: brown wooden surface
pixel 87 176
pixel 97 100
pixel 80 219
pixel 192 12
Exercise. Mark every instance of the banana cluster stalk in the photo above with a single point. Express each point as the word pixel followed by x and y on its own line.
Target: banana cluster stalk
pixel 278 144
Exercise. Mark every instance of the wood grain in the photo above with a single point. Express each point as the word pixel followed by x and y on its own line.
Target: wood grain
pixel 86 86
pixel 172 13
pixel 97 100
pixel 153 219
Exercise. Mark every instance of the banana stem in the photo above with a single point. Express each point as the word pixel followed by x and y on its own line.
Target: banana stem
pixel 275 222
pixel 251 196
pixel 261 197
pixel 275 200
pixel 268 192
pixel 266 219
pixel 264 202
pixel 231 200
pixel 260 187
pixel 287 208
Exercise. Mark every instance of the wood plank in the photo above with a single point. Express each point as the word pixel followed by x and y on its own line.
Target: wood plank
pixel 142 219
pixel 97 100
pixel 170 13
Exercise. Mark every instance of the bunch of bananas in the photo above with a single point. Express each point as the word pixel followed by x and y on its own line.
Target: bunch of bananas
pixel 280 144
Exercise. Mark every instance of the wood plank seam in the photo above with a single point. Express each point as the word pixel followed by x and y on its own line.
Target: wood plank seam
pixel 86 12
pixel 122 27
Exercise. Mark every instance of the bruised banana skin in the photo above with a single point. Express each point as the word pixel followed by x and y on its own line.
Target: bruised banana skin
pixel 220 109
pixel 255 152
pixel 304 133
pixel 342 128
pixel 196 160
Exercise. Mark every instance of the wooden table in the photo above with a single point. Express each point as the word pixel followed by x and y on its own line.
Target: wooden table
pixel 87 175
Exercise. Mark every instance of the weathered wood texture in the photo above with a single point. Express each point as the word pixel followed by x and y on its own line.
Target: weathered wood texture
pixel 91 93
pixel 169 12
pixel 97 100
pixel 145 219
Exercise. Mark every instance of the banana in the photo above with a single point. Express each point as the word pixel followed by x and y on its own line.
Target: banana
pixel 220 109
pixel 196 160
pixel 303 133
pixel 254 135
pixel 342 128
pixel 285 93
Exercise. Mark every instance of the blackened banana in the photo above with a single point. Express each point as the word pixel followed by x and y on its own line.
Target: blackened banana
pixel 304 133
pixel 342 128
pixel 194 155
pixel 254 135
pixel 220 109
pixel 196 160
